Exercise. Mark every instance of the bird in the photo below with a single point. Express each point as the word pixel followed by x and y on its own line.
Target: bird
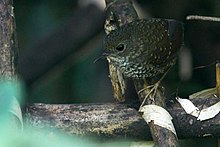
pixel 145 48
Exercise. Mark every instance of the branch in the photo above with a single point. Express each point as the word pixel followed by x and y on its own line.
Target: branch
pixel 205 18
pixel 8 60
pixel 218 79
pixel 8 40
pixel 117 120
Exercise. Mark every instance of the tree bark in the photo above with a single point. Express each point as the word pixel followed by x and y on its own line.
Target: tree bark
pixel 117 120
pixel 8 42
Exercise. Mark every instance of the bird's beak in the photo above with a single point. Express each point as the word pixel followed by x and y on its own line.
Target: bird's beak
pixel 104 55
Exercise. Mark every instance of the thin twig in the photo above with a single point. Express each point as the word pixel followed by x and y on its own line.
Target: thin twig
pixel 218 79
pixel 204 66
pixel 205 18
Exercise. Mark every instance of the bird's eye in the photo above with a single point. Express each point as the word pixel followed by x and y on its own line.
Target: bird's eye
pixel 120 47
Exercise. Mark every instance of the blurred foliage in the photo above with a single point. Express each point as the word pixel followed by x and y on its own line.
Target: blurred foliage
pixel 10 93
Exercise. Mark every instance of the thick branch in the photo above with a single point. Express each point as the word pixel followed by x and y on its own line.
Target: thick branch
pixel 218 79
pixel 117 120
pixel 8 42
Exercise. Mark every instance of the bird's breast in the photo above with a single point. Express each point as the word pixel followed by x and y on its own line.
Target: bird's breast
pixel 132 69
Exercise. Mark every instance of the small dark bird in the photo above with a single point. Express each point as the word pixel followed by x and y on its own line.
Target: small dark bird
pixel 145 48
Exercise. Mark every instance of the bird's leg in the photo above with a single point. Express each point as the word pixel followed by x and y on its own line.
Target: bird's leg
pixel 153 89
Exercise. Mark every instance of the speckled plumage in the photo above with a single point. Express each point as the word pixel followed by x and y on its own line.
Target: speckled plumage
pixel 144 48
